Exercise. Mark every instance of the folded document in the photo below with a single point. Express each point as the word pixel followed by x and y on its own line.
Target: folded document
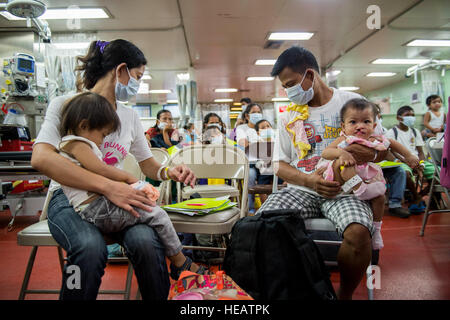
pixel 200 206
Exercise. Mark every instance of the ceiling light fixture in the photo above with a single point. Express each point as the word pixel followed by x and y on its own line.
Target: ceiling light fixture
pixel 280 99
pixel 226 90
pixel 66 14
pixel 265 62
pixel 349 88
pixel 260 78
pixel 399 61
pixel 381 74
pixel 71 45
pixel 290 35
pixel 223 100
pixel 428 43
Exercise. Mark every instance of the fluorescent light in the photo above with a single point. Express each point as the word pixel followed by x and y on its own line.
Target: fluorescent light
pixel 236 109
pixel 290 35
pixel 172 101
pixel 399 61
pixel 237 104
pixel 349 88
pixel 265 62
pixel 226 90
pixel 183 76
pixel 280 99
pixel 429 43
pixel 223 100
pixel 381 74
pixel 160 91
pixel 66 13
pixel 333 73
pixel 146 77
pixel 71 45
pixel 260 78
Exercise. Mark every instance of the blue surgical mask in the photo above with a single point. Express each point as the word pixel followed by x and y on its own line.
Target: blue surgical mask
pixel 299 96
pixel 125 92
pixel 409 121
pixel 255 117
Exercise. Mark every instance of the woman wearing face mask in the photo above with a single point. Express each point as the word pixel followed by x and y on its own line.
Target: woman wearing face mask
pixel 113 70
pixel 162 134
pixel 245 133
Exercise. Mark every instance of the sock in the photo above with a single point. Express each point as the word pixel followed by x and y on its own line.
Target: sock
pixel 377 240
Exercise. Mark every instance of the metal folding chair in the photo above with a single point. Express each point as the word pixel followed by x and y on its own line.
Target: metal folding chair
pixel 435 187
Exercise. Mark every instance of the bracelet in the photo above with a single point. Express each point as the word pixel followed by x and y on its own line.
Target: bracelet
pixel 166 173
pixel 347 186
pixel 158 175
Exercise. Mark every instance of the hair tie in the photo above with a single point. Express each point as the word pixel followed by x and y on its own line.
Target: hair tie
pixel 101 45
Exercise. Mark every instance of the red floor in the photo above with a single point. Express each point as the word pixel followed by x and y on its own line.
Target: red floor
pixel 412 267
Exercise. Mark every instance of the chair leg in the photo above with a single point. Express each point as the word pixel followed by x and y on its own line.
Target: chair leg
pixel 427 210
pixel 61 258
pixel 26 279
pixel 128 281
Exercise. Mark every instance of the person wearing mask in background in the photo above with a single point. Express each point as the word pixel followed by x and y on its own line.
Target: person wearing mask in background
pixel 407 135
pixel 244 103
pixel 434 118
pixel 265 168
pixel 113 70
pixel 189 136
pixel 245 135
pixel 163 134
pixel 395 176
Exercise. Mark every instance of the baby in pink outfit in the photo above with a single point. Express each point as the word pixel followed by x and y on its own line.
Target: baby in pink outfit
pixel 365 180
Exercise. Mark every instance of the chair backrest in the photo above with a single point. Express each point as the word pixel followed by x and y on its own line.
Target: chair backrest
pixel 43 215
pixel 213 161
pixel 161 155
pixel 216 161
pixel 435 154
pixel 131 165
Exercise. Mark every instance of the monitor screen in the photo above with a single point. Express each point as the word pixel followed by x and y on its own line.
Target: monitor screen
pixel 25 64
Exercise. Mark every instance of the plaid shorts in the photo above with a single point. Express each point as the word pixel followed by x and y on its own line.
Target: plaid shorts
pixel 341 211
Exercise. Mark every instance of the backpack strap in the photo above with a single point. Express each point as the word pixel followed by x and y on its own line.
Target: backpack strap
pixel 395 132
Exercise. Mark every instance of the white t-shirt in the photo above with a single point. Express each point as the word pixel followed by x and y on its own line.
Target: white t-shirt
pixel 115 147
pixel 407 139
pixel 435 121
pixel 76 196
pixel 322 127
pixel 245 132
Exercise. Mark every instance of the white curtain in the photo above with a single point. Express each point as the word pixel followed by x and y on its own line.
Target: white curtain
pixel 269 113
pixel 431 84
pixel 52 67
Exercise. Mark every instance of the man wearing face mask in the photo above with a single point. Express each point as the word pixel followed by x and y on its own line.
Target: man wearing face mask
pixel 305 130
pixel 407 135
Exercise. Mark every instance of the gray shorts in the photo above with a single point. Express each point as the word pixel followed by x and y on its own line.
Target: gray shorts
pixel 341 211
pixel 110 218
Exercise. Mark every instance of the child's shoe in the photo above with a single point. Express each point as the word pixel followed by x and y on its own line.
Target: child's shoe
pixel 175 271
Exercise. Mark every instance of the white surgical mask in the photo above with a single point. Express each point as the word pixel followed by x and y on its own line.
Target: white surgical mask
pixel 218 126
pixel 299 96
pixel 266 133
pixel 409 121
pixel 125 92
pixel 162 125
pixel 255 117
pixel 217 140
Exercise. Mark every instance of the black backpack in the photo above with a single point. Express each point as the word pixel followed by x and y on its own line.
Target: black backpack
pixel 272 258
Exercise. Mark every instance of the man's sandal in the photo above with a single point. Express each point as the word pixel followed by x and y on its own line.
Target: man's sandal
pixel 176 271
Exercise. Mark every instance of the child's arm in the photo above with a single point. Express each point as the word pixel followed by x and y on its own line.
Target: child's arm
pixel 332 152
pixel 84 154
pixel 407 156
pixel 426 121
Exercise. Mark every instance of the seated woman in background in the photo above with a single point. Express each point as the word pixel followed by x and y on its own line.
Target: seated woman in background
pixel 263 168
pixel 163 134
pixel 189 136
pixel 245 133
pixel 212 119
